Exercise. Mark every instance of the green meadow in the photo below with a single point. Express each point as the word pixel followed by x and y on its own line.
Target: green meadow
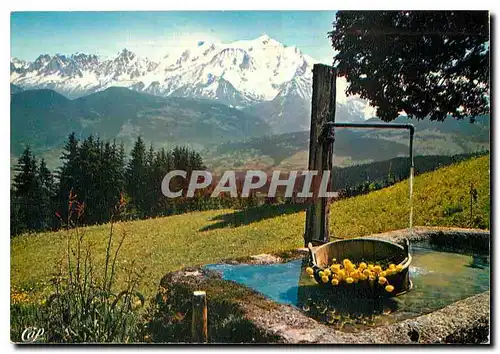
pixel 161 245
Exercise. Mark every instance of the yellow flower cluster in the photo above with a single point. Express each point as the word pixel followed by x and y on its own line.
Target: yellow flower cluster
pixel 351 273
pixel 19 297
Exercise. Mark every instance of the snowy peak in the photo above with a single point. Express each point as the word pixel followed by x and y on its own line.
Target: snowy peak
pixel 237 73
pixel 86 61
pixel 125 53
pixel 263 38
pixel 18 65
pixel 215 88
pixel 299 86
pixel 261 42
pixel 126 66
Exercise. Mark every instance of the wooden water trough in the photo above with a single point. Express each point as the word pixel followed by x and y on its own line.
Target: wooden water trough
pixel 369 251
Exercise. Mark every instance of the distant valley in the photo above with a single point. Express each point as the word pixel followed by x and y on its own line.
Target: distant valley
pixel 290 151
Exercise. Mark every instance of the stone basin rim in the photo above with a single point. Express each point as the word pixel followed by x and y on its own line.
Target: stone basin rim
pixel 464 321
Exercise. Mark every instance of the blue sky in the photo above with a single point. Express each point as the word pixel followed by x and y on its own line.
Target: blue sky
pixel 154 34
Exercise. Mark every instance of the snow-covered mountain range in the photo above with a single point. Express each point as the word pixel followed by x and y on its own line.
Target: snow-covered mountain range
pixel 240 74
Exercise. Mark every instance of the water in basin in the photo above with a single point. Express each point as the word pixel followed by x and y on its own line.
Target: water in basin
pixel 439 279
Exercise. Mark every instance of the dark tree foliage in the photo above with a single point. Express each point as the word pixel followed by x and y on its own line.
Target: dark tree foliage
pixel 145 172
pixel 162 164
pixel 136 175
pixel 69 173
pixel 425 63
pixel 96 173
pixel 32 195
pixel 26 192
pixel 47 192
pixel 93 170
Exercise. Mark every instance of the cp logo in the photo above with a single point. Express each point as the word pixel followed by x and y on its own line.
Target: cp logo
pixel 31 334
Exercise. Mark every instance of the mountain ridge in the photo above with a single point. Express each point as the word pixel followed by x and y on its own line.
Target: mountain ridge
pixel 237 62
pixel 262 76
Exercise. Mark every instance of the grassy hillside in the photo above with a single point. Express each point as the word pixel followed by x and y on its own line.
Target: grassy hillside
pixel 170 243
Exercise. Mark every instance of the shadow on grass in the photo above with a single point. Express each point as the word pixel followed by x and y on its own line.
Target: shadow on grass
pixel 251 215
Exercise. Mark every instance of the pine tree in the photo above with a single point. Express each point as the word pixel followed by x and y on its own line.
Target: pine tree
pixel 136 174
pixel 118 168
pixel 87 189
pixel 107 182
pixel 26 193
pixel 16 224
pixel 161 166
pixel 47 194
pixel 195 161
pixel 69 174
pixel 150 156
pixel 151 193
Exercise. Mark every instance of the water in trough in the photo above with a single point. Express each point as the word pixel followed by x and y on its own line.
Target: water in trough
pixel 439 279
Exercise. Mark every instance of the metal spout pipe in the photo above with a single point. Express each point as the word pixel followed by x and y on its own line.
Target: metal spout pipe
pixel 329 127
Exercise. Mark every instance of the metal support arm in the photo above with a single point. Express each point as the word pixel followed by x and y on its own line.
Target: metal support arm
pixel 328 130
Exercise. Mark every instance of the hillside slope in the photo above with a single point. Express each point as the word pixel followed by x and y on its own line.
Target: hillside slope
pixel 166 244
pixel 44 118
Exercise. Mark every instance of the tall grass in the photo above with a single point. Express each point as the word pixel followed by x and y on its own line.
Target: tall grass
pixel 84 305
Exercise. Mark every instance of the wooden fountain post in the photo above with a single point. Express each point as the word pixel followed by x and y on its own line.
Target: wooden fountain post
pixel 199 323
pixel 320 150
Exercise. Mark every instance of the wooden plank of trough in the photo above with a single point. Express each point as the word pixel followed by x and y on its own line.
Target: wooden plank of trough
pixel 320 154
